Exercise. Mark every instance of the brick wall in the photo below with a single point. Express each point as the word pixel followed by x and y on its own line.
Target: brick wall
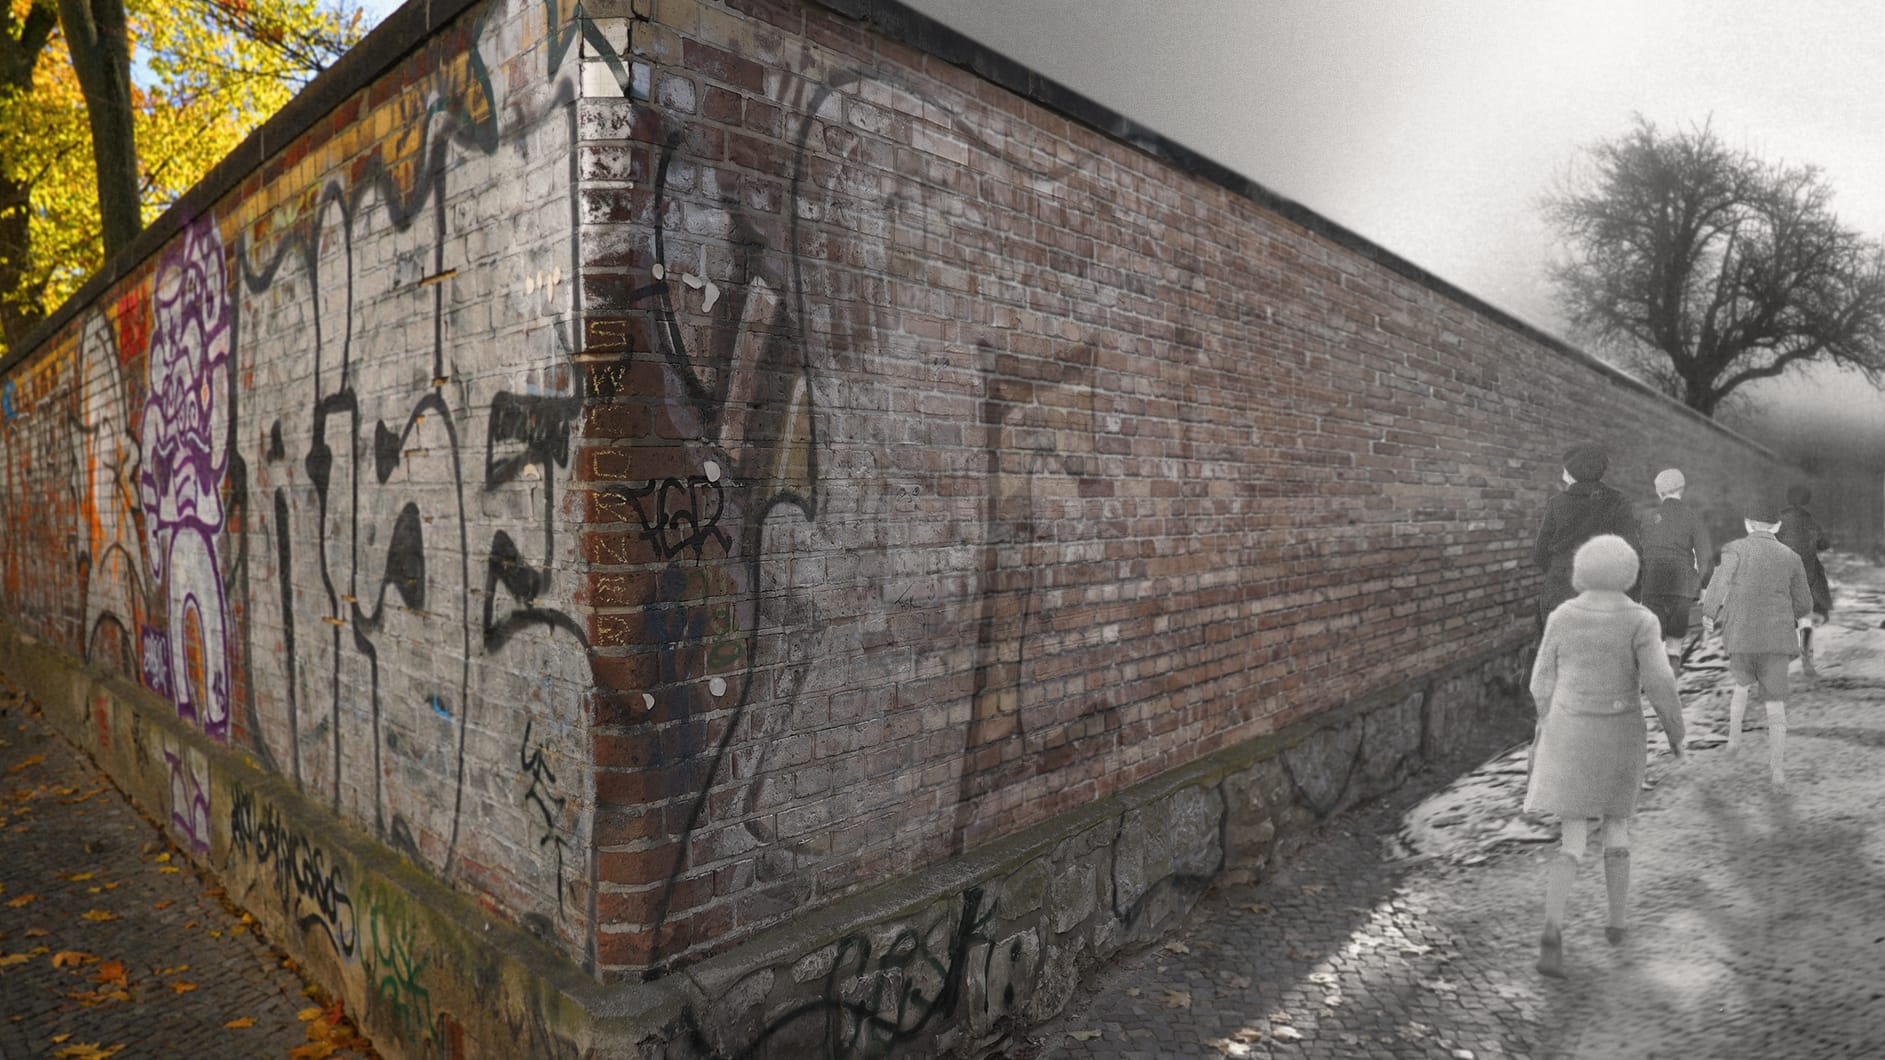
pixel 669 465
pixel 298 466
pixel 965 464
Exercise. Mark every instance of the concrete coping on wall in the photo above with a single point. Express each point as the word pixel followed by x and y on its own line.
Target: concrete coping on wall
pixel 893 19
pixel 393 39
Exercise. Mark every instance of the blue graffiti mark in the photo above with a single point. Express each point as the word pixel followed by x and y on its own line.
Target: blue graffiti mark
pixel 439 708
pixel 7 408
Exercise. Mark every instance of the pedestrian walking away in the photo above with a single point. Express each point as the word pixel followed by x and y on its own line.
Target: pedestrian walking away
pixel 1601 651
pixel 1587 507
pixel 1757 594
pixel 1677 557
pixel 1801 532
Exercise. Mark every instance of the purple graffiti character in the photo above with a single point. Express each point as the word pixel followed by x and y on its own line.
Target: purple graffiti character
pixel 185 443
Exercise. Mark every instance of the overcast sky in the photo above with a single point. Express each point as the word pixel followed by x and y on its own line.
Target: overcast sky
pixel 1433 127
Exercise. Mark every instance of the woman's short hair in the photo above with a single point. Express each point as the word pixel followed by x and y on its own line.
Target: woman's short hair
pixel 1604 562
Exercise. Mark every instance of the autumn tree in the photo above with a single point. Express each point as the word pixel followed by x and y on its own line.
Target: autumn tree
pixel 209 72
pixel 1705 268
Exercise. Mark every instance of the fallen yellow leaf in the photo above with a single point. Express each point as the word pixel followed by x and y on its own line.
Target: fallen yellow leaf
pixel 73 957
pixel 182 987
pixel 161 858
pixel 112 972
pixel 169 870
pixel 165 904
pixel 81 877
pixel 37 933
pixel 12 959
pixel 24 762
pixel 86 1052
pixel 57 1038
pixel 22 900
pixel 236 1025
pixel 98 915
pixel 307 1014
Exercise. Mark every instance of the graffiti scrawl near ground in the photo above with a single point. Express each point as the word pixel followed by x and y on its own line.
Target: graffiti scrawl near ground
pixel 309 886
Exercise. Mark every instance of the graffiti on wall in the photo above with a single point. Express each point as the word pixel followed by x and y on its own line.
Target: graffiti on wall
pixel 184 455
pixel 549 806
pixel 885 991
pixel 109 507
pixel 743 353
pixel 189 793
pixel 394 969
pixel 310 886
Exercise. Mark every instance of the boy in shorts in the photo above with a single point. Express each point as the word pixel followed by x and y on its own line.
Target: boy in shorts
pixel 1677 555
pixel 1759 591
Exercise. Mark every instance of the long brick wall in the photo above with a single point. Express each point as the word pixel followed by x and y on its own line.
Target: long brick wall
pixel 745 493
pixel 969 464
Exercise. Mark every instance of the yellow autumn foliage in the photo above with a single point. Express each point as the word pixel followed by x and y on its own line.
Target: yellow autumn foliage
pixel 205 74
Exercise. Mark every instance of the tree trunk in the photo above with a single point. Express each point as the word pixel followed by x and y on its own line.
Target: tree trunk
pixel 19 309
pixel 19 56
pixel 101 57
pixel 1699 394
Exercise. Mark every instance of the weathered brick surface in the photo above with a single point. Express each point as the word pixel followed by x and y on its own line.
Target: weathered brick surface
pixel 304 475
pixel 975 465
pixel 667 467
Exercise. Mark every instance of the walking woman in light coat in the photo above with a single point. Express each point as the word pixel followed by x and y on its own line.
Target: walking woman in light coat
pixel 1600 652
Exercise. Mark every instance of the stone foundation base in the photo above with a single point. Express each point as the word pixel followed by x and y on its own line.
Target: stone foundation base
pixel 949 961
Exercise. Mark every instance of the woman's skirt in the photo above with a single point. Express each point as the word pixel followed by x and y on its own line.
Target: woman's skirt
pixel 1587 765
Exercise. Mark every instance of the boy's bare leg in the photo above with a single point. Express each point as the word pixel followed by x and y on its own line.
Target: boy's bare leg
pixel 1737 712
pixel 1777 742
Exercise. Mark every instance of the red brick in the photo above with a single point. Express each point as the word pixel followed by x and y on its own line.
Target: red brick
pixel 636 866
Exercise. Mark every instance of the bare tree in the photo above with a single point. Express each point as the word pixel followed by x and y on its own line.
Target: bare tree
pixel 1707 268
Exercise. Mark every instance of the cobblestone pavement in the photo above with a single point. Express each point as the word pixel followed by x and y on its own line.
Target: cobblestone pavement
pixel 1410 928
pixel 107 935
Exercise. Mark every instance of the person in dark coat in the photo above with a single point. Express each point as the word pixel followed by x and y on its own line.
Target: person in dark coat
pixel 1677 556
pixel 1585 509
pixel 1801 532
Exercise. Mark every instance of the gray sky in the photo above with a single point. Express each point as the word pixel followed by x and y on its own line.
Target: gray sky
pixel 1432 127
